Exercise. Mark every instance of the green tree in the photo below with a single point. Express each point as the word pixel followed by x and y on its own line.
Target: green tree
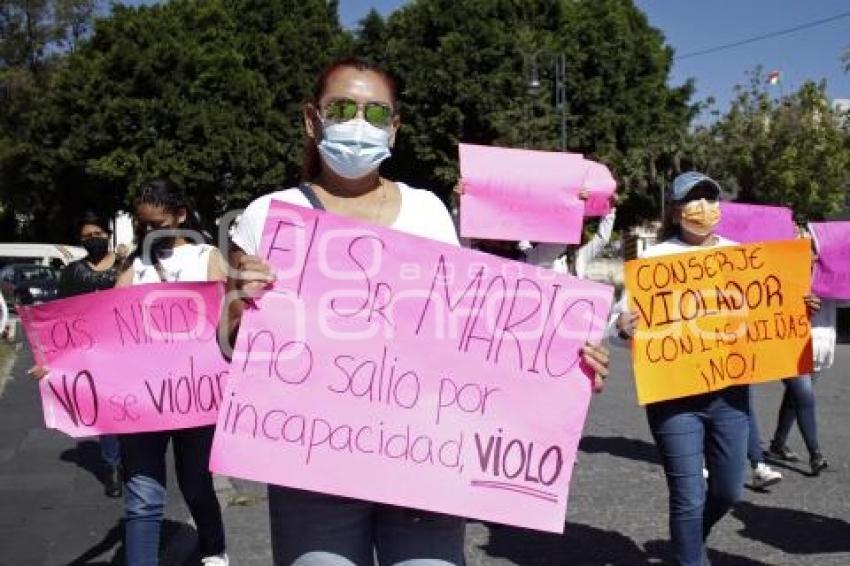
pixel 794 151
pixel 464 67
pixel 34 36
pixel 207 92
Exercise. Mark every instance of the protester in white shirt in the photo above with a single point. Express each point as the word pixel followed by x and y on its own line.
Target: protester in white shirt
pixel 712 428
pixel 351 124
pixel 569 259
pixel 798 400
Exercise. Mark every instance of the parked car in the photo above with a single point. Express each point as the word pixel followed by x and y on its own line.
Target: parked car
pixel 56 256
pixel 28 283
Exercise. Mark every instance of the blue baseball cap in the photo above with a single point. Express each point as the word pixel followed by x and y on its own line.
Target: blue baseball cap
pixel 683 184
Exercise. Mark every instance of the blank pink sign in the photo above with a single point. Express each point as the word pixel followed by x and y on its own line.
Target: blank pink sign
pixel 748 223
pixel 600 185
pixel 518 194
pixel 135 359
pixel 831 278
pixel 396 369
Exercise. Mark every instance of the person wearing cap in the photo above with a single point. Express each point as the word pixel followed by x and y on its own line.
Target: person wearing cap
pixel 710 429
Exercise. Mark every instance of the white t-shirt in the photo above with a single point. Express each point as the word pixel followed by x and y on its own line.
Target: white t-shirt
pixel 421 214
pixel 551 256
pixel 677 246
pixel 189 262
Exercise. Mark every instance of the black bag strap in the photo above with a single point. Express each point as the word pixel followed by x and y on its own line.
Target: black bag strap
pixel 160 271
pixel 308 192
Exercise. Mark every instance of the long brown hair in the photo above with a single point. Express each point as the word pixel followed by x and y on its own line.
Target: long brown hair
pixel 311 163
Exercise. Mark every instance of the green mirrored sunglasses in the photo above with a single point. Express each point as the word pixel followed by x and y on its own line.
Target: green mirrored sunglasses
pixel 344 109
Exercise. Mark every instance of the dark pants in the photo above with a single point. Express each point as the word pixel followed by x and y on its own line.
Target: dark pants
pixel 110 451
pixel 312 529
pixel 143 458
pixel 710 429
pixel 755 454
pixel 798 402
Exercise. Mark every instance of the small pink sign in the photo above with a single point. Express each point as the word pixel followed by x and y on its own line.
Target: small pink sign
pixel 134 359
pixel 518 194
pixel 749 223
pixel 832 269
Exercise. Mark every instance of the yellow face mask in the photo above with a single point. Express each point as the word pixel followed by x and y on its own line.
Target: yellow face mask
pixel 700 217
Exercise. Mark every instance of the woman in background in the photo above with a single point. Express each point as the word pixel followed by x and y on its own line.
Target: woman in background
pixel 163 220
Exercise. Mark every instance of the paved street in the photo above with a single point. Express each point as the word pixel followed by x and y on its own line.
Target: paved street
pixel 52 510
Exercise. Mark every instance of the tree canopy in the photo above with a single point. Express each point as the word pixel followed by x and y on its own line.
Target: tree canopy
pixel 793 151
pixel 209 93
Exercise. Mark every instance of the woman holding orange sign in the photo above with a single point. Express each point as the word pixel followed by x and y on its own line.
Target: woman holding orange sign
pixel 708 429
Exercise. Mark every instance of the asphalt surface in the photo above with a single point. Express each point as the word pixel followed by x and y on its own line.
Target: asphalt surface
pixel 53 511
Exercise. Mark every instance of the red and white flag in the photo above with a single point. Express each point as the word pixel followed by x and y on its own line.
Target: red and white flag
pixel 773 77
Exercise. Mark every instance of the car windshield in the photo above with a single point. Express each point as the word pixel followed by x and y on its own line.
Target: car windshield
pixel 35 273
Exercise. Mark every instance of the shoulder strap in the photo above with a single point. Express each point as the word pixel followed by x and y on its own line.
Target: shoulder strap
pixel 160 271
pixel 308 192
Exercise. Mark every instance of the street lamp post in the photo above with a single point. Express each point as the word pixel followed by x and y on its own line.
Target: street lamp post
pixel 559 67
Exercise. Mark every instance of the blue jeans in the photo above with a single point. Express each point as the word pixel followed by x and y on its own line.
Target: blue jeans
pixel 143 457
pixel 798 402
pixel 313 529
pixel 110 451
pixel 755 454
pixel 710 429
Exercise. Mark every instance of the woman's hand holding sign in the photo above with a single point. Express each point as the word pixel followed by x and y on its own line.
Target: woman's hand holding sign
pixel 250 276
pixel 597 357
pixel 38 372
pixel 812 303
pixel 627 324
pixel 253 276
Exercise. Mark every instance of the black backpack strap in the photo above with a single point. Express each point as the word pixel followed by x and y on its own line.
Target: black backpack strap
pixel 308 192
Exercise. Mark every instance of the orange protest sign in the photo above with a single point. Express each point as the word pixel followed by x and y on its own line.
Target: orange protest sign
pixel 720 317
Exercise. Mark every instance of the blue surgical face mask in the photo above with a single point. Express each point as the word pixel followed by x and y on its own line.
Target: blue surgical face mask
pixel 353 149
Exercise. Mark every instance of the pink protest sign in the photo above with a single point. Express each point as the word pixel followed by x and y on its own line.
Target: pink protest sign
pixel 135 359
pixel 831 278
pixel 392 368
pixel 749 223
pixel 600 185
pixel 519 194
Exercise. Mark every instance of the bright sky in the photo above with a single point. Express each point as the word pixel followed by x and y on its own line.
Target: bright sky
pixel 812 53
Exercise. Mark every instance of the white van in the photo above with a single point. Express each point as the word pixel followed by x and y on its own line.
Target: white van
pixel 55 256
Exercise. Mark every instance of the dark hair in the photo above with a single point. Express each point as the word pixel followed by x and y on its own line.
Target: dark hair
pixel 310 161
pixel 669 229
pixel 163 192
pixel 90 217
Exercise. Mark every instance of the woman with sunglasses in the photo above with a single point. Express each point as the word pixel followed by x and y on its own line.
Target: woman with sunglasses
pixel 712 428
pixel 351 123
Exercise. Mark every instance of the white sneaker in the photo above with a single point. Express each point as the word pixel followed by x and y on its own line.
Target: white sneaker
pixel 764 476
pixel 218 560
pixel 704 473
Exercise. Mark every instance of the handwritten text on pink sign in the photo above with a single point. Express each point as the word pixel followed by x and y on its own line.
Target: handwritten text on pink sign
pixel 391 368
pixel 135 359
